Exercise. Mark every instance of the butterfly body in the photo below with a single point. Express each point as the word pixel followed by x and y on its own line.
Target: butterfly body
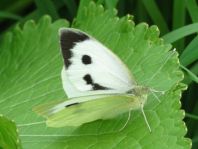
pixel 97 83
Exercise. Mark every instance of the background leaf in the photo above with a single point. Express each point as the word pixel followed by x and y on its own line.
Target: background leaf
pixel 47 7
pixel 181 32
pixel 31 64
pixel 9 138
pixel 155 14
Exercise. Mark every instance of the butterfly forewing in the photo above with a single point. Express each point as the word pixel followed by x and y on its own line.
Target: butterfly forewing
pixel 90 67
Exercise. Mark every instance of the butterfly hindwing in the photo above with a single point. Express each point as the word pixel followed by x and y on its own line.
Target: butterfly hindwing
pixel 44 109
pixel 56 106
pixel 84 112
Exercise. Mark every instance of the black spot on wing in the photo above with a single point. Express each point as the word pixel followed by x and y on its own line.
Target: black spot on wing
pixel 99 87
pixel 88 79
pixel 95 86
pixel 86 59
pixel 71 104
pixel 68 39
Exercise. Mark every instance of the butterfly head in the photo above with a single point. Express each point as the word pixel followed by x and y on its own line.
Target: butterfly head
pixel 140 92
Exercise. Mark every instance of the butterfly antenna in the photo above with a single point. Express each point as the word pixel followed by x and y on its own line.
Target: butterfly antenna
pixel 145 118
pixel 156 97
pixel 157 91
pixel 153 91
pixel 129 116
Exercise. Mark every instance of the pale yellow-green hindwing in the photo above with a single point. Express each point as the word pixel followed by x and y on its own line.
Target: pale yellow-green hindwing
pixel 80 112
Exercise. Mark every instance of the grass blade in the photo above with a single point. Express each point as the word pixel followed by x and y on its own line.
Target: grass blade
pixel 180 33
pixel 190 53
pixel 142 14
pixel 47 7
pixel 17 6
pixel 8 15
pixel 71 6
pixel 179 14
pixel 192 9
pixel 191 75
pixel 111 4
pixel 156 15
pixel 192 116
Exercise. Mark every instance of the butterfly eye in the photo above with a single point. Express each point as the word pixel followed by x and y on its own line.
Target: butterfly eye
pixel 86 59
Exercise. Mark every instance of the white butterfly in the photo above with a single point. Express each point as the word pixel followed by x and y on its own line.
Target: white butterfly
pixel 97 82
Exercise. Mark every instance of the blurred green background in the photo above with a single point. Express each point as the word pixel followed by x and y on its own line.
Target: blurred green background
pixel 176 19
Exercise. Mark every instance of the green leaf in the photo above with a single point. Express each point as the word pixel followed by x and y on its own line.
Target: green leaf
pixel 9 138
pixel 31 63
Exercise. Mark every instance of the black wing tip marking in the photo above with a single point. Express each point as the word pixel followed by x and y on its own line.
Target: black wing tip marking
pixel 68 38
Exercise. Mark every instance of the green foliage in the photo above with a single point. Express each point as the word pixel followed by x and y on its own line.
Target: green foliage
pixel 9 138
pixel 47 7
pixel 9 15
pixel 155 14
pixel 31 63
pixel 191 75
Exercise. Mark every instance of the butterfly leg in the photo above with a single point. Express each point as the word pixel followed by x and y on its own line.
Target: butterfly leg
pixel 145 118
pixel 128 118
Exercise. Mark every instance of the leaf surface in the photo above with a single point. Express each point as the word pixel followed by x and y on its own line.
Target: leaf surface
pixel 9 138
pixel 30 63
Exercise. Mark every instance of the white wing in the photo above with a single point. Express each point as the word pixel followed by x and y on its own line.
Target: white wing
pixel 90 67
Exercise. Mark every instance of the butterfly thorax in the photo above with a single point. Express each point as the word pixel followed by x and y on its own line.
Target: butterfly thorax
pixel 140 93
pixel 139 90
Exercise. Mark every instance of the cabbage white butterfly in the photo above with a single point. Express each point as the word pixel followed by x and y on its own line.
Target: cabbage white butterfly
pixel 97 82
